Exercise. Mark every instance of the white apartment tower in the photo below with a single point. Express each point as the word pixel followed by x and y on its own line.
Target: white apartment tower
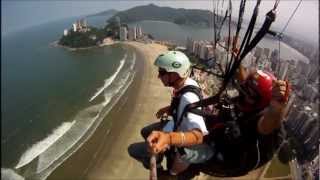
pixel 65 32
pixel 266 52
pixel 258 52
pixel 139 32
pixel 132 34
pixel 74 25
pixel 283 69
pixel 123 34
pixel 202 54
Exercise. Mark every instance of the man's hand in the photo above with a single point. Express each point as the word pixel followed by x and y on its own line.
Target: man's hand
pixel 163 111
pixel 280 94
pixel 158 142
pixel 274 115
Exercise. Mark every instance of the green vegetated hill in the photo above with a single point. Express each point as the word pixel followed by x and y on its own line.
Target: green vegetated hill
pixel 104 13
pixel 194 17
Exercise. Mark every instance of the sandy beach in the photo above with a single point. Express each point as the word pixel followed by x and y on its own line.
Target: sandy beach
pixel 152 96
pixel 104 155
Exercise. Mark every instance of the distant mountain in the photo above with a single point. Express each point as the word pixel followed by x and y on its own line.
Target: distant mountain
pixel 104 13
pixel 179 16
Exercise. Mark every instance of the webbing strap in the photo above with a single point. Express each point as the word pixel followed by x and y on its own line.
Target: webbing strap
pixel 189 88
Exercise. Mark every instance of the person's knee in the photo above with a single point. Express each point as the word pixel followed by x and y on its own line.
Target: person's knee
pixel 133 150
pixel 145 132
pixel 139 152
pixel 130 150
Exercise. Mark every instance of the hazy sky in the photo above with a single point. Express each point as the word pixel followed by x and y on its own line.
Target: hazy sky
pixel 19 14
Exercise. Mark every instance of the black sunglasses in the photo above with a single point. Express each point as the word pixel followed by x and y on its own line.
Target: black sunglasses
pixel 162 72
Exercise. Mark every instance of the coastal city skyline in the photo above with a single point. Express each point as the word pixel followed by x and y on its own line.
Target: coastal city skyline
pixel 17 15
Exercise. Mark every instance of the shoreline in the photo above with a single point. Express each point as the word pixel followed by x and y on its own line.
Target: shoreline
pixel 96 159
pixel 56 44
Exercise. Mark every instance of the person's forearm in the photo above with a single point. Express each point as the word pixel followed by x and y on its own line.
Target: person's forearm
pixel 271 120
pixel 186 138
pixel 168 109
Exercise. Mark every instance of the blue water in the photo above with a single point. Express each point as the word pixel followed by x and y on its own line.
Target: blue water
pixel 51 96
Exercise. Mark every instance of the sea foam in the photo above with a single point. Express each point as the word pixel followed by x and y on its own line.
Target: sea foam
pixel 108 81
pixel 39 147
pixel 120 84
pixel 10 174
pixel 83 121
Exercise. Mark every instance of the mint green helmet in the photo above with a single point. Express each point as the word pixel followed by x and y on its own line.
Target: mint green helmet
pixel 174 61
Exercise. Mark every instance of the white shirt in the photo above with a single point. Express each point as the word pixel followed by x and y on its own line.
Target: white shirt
pixel 191 121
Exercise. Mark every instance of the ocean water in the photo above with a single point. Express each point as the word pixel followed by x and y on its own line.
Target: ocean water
pixel 53 99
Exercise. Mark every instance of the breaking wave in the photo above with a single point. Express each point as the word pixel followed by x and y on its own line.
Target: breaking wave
pixel 39 147
pixel 10 174
pixel 120 84
pixel 108 81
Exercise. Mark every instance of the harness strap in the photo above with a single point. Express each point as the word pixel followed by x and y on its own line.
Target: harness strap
pixel 189 88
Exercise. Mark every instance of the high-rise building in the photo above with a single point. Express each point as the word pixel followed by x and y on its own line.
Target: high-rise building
pixel 282 69
pixel 195 48
pixel 274 59
pixel 302 82
pixel 258 52
pixel 234 43
pixel 209 51
pixel 314 72
pixel 266 52
pixel 139 31
pixel 221 56
pixel 80 26
pixel 83 23
pixel 65 32
pixel 201 43
pixel 303 68
pixel 123 33
pixel 262 62
pixel 248 61
pixel 189 45
pixel 74 26
pixel 132 34
pixel 310 92
pixel 203 51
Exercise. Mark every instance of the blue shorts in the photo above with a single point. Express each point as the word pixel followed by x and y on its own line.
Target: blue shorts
pixel 193 154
